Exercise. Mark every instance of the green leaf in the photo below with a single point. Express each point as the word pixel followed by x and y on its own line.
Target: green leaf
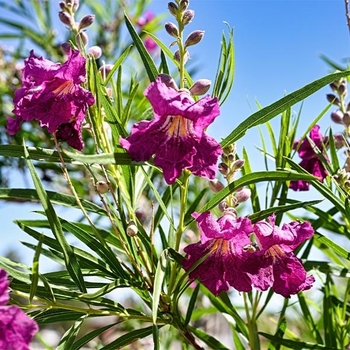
pixel 158 283
pixel 191 305
pixel 53 197
pixel 248 179
pixel 128 338
pixel 68 338
pixel 146 58
pixel 35 269
pixel 207 339
pixel 339 250
pixel 104 158
pixel 71 262
pixel 267 113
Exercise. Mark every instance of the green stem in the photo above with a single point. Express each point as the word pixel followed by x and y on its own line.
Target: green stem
pixel 251 323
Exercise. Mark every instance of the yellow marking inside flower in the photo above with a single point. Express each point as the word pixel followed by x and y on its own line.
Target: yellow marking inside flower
pixel 178 126
pixel 275 251
pixel 64 88
pixel 221 245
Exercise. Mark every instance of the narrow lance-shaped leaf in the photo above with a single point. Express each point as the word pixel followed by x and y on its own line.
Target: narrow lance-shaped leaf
pixel 71 261
pixel 271 111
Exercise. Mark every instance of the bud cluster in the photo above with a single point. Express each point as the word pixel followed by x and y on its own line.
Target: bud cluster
pixel 183 16
pixel 342 177
pixel 66 16
pixel 228 167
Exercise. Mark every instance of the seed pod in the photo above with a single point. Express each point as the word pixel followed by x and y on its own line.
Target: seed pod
pixel 132 229
pixel 102 187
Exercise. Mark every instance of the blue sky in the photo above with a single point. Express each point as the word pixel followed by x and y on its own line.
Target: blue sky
pixel 277 49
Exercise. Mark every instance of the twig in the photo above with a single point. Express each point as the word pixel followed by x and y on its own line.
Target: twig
pixel 347 13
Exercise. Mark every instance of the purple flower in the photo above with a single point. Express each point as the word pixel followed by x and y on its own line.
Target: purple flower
pixel 310 160
pixel 274 264
pixel 223 242
pixel 51 93
pixel 16 328
pixel 176 136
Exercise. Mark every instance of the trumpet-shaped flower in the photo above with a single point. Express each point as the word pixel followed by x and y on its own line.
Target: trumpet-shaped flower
pixel 176 135
pixel 310 160
pixel 222 244
pixel 16 328
pixel 274 264
pixel 51 93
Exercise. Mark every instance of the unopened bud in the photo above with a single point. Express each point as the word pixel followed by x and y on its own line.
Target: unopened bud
pixel 168 81
pixel 66 48
pixel 105 70
pixel 238 164
pixel 243 195
pixel 131 229
pixel 177 56
pixel 333 99
pixel 342 90
pixel 86 22
pixel 223 168
pixel 75 5
pixel 172 29
pixel 82 39
pixel 200 87
pixel 187 17
pixel 194 38
pixel 173 9
pixel 231 148
pixel 95 52
pixel 101 187
pixel 62 5
pixel 337 117
pixel 230 211
pixel 222 206
pixel 183 5
pixel 339 141
pixel 334 87
pixel 231 157
pixel 66 18
pixel 216 185
pixel 346 118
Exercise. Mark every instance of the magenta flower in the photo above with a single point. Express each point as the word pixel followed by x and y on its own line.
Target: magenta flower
pixel 310 160
pixel 51 93
pixel 176 136
pixel 16 328
pixel 223 241
pixel 274 264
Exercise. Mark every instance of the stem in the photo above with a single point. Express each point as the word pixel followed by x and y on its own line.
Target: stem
pixel 251 323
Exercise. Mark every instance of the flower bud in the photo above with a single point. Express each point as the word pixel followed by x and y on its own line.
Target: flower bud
pixel 231 148
pixel 172 29
pixel 339 141
pixel 243 195
pixel 222 206
pixel 66 18
pixel 223 168
pixel 342 90
pixel 187 17
pixel 337 117
pixel 177 56
pixel 172 8
pixel 62 5
pixel 168 81
pixel 238 164
pixel 333 99
pixel 131 229
pixel 75 5
pixel 334 87
pixel 101 187
pixel 183 5
pixel 216 185
pixel 95 52
pixel 66 48
pixel 86 22
pixel 346 118
pixel 82 39
pixel 200 87
pixel 105 70
pixel 194 38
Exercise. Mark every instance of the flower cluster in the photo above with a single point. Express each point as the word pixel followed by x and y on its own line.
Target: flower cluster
pixel 176 135
pixel 16 328
pixel 51 93
pixel 232 259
